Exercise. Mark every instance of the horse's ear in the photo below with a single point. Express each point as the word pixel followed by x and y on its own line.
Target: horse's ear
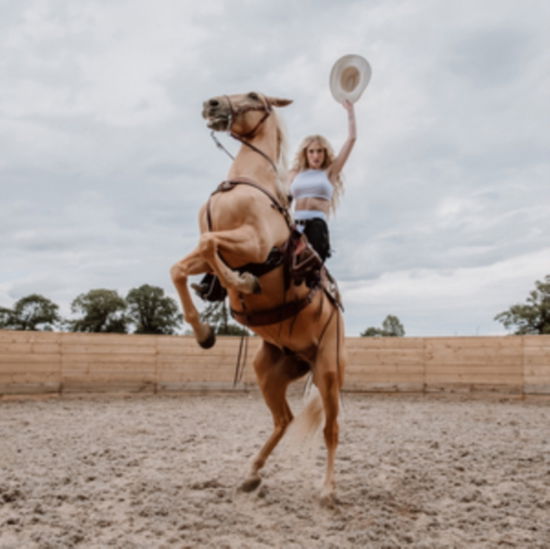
pixel 278 102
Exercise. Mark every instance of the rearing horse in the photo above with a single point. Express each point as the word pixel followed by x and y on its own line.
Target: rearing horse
pixel 245 223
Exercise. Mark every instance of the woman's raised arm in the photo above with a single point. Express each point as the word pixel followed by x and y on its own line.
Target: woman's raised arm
pixel 338 163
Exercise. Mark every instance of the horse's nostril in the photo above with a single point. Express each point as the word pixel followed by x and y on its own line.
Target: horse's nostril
pixel 213 102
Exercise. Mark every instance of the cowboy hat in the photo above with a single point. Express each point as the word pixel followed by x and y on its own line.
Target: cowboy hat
pixel 349 78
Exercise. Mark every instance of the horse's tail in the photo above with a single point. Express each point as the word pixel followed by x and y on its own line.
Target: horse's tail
pixel 304 427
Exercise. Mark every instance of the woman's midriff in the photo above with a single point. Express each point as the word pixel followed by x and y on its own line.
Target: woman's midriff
pixel 313 203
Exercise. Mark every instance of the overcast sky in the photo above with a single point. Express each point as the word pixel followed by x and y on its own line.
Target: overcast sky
pixel 105 159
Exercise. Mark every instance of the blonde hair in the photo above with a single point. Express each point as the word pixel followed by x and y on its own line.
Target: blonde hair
pixel 300 164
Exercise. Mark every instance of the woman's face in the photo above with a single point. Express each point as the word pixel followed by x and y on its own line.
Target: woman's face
pixel 315 154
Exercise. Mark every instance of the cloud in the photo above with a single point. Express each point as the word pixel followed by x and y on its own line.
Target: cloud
pixel 106 159
pixel 437 302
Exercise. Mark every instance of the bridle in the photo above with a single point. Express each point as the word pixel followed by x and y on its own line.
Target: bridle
pixel 233 113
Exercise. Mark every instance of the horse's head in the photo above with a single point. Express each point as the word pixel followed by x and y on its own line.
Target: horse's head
pixel 242 114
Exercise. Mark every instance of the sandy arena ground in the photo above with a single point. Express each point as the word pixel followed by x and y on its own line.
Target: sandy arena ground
pixel 163 471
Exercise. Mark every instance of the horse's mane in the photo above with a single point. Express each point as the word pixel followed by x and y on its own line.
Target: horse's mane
pixel 281 161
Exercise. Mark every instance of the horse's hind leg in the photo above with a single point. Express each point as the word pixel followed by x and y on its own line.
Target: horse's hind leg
pixel 274 371
pixel 190 265
pixel 328 376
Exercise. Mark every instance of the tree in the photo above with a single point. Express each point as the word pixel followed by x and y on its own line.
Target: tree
pixel 6 316
pixel 102 311
pixel 217 315
pixel 151 311
pixel 533 317
pixel 33 312
pixel 391 327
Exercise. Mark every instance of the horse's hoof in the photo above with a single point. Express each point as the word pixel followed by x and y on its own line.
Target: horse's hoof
pixel 329 501
pixel 209 340
pixel 328 498
pixel 251 484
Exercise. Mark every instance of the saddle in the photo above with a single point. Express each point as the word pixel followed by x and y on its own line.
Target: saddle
pixel 301 263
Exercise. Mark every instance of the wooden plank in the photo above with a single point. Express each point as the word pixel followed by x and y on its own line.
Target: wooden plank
pixel 474 378
pixel 388 376
pixel 537 356
pixel 385 387
pixel 473 367
pixel 381 358
pixel 504 388
pixel 535 373
pixel 379 367
pixel 383 379
pixel 35 376
pixel 104 348
pixel 186 378
pixel 28 358
pixel 107 339
pixel 107 386
pixel 537 388
pixel 34 369
pixel 109 374
pixel 384 343
pixel 174 343
pixel 483 350
pixel 198 386
pixel 541 341
pixel 29 347
pixel 29 388
pixel 492 342
pixel 18 336
pixel 194 363
pixel 101 358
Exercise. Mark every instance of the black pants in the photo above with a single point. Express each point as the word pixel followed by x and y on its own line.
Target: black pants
pixel 316 231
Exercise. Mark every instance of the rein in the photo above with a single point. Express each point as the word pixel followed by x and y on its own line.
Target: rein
pixel 228 185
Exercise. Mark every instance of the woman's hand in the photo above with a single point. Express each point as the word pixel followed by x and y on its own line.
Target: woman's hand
pixel 352 132
pixel 348 105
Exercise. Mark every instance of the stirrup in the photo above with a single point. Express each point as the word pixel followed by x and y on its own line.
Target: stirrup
pixel 210 289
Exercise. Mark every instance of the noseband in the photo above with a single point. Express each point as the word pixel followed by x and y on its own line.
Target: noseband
pixel 233 113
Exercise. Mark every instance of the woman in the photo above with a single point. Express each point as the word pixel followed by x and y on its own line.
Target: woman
pixel 316 184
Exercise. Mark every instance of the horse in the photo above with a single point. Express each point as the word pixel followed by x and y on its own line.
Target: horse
pixel 245 229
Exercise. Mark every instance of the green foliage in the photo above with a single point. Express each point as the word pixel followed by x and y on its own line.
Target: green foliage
pixel 33 312
pixel 391 327
pixel 217 315
pixel 151 311
pixel 5 318
pixel 101 311
pixel 533 317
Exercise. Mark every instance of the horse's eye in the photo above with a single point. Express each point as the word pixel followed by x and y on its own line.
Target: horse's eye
pixel 254 96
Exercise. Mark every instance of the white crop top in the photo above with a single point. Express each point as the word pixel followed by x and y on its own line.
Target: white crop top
pixel 312 183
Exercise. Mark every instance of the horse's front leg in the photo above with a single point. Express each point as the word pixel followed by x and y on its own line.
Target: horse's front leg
pixel 190 265
pixel 243 242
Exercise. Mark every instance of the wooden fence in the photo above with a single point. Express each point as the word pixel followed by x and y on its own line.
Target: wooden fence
pixel 51 362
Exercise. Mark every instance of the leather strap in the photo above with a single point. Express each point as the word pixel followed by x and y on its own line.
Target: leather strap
pixel 275 315
pixel 230 184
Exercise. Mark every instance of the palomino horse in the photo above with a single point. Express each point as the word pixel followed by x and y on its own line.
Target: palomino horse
pixel 245 228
